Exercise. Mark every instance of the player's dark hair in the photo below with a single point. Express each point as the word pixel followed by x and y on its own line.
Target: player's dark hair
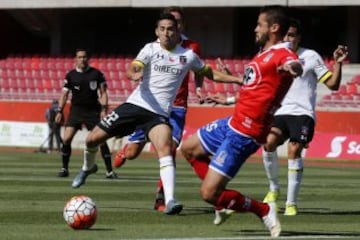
pixel 295 23
pixel 174 9
pixel 276 14
pixel 81 49
pixel 167 16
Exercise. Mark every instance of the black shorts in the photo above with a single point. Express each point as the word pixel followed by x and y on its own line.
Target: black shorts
pixel 127 118
pixel 79 118
pixel 295 128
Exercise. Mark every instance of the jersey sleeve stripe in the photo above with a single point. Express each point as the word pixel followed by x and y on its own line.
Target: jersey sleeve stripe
pixel 325 77
pixel 139 63
pixel 204 69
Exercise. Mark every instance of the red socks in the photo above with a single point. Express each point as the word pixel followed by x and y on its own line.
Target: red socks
pixel 231 199
pixel 200 166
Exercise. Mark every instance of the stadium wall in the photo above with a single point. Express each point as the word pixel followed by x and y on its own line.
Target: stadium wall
pixel 337 136
pixel 327 122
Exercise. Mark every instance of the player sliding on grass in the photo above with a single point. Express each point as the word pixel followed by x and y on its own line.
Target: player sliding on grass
pixel 231 141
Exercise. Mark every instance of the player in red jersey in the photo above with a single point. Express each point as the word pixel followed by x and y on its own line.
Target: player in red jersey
pixel 231 141
pixel 177 116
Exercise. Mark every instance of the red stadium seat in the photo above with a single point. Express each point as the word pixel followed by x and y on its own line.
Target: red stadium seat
pixel 220 87
pixel 126 84
pixel 352 88
pixel 2 64
pixel 120 65
pixel 209 87
pixel 356 79
pixel 4 84
pixel 19 73
pixel 29 83
pixel 51 65
pixel 11 73
pixel 42 65
pixel 10 64
pixel 3 73
pixel 20 83
pixel 60 65
pixel 103 66
pixel 111 66
pixel 68 65
pixel 35 74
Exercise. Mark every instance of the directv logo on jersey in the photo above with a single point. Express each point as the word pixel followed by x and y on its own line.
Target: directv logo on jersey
pixel 167 69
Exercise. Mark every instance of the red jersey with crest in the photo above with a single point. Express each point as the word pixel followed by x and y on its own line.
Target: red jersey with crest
pixel 183 92
pixel 262 92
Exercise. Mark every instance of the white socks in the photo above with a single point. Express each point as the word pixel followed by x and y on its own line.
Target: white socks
pixel 167 174
pixel 89 157
pixel 271 165
pixel 295 172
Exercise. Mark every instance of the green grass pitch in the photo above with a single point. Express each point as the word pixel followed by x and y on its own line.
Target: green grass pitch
pixel 32 199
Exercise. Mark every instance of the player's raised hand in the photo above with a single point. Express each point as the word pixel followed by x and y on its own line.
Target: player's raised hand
pixel 215 99
pixel 137 76
pixel 340 53
pixel 199 95
pixel 221 66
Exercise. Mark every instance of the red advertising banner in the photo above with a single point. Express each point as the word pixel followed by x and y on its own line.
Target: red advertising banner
pixel 324 146
pixel 334 146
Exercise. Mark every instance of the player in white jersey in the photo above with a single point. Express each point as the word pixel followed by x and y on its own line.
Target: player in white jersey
pixel 295 119
pixel 160 67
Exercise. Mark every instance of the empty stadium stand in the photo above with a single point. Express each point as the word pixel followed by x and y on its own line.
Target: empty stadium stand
pixel 348 96
pixel 40 78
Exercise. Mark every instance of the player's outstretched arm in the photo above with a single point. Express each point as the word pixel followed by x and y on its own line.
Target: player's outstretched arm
pixel 218 76
pixel 221 66
pixel 340 54
pixel 199 79
pixel 220 99
pixel 293 68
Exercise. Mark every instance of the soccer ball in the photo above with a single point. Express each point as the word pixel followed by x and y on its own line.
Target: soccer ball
pixel 80 212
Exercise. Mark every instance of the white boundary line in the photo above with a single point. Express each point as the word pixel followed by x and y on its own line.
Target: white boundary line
pixel 324 236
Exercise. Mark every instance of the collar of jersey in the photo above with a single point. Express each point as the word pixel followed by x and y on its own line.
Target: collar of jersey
pixel 81 71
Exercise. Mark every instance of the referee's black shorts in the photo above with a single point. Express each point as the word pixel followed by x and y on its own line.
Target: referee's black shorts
pixel 79 118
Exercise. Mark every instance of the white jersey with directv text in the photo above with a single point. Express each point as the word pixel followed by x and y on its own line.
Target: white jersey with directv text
pixel 301 97
pixel 164 72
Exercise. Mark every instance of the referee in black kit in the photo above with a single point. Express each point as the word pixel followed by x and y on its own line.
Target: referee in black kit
pixel 89 103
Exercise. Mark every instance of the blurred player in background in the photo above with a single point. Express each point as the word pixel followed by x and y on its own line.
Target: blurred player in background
pixel 295 119
pixel 89 103
pixel 231 141
pixel 54 127
pixel 177 116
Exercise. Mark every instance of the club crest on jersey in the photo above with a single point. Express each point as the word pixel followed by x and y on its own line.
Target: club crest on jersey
pixel 220 159
pixel 93 85
pixel 249 75
pixel 183 60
